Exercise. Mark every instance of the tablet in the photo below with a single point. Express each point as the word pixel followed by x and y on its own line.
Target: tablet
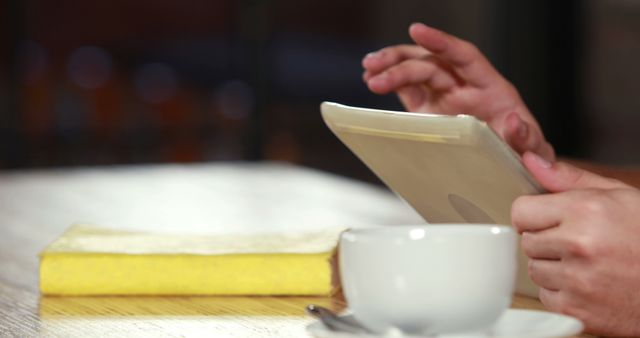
pixel 450 169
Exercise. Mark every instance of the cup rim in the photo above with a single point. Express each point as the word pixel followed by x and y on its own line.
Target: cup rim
pixel 430 229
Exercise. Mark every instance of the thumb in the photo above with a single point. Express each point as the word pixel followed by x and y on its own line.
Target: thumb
pixel 560 176
pixel 525 136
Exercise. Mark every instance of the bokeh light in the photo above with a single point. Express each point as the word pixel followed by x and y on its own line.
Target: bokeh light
pixel 234 99
pixel 155 82
pixel 89 67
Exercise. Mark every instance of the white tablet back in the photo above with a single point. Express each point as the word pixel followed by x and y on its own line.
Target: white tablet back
pixel 451 169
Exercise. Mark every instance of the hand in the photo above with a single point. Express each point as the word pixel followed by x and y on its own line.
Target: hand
pixel 583 241
pixel 443 74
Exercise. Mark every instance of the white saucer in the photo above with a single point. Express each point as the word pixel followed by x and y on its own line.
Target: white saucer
pixel 513 323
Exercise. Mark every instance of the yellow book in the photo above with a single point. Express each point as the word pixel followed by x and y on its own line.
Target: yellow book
pixel 89 260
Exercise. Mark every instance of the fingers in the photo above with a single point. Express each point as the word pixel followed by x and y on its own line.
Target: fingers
pixel 540 212
pixel 523 137
pixel 547 273
pixel 412 72
pixel 464 57
pixel 558 177
pixel 543 244
pixel 546 151
pixel 515 132
pixel 569 184
pixel 414 98
pixel 550 299
pixel 452 49
pixel 378 61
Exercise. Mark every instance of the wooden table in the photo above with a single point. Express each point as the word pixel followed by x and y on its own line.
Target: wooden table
pixel 36 207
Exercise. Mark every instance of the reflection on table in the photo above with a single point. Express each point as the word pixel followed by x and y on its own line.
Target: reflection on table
pixel 179 316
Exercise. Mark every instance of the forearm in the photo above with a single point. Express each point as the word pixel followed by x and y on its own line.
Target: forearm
pixel 629 175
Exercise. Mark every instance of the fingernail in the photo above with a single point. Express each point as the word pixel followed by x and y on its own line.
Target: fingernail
pixel 539 160
pixel 371 55
pixel 523 130
pixel 416 24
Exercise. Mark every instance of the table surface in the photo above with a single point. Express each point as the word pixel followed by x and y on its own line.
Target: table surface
pixel 37 206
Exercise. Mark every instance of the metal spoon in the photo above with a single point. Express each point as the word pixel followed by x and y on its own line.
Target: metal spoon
pixel 335 322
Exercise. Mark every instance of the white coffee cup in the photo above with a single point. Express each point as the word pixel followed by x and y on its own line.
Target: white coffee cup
pixel 428 279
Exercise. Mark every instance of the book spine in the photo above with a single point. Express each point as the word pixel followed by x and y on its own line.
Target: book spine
pixel 237 274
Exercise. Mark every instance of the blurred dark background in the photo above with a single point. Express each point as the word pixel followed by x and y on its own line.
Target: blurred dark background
pixel 125 82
